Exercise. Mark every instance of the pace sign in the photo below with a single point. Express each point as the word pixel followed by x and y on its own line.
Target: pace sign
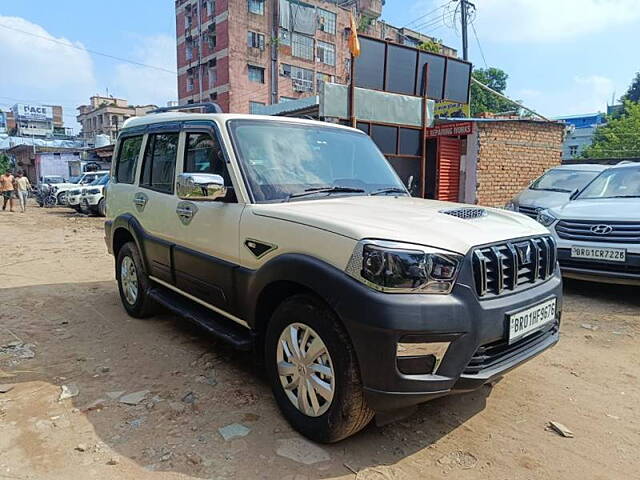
pixel 27 111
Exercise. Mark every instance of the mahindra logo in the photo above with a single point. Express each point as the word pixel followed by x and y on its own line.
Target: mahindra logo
pixel 524 252
pixel 602 229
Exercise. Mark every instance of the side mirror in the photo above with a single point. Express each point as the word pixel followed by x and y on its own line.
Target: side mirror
pixel 200 187
pixel 574 194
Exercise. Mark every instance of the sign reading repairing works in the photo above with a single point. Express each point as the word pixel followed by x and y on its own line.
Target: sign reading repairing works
pixel 28 111
pixel 450 130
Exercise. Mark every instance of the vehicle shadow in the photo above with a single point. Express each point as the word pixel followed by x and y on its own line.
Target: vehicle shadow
pixel 621 295
pixel 82 337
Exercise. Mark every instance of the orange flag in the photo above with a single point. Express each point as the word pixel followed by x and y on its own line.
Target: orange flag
pixel 354 43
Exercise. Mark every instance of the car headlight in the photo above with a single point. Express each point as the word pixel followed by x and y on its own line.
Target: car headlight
pixel 93 191
pixel 394 267
pixel 511 206
pixel 545 218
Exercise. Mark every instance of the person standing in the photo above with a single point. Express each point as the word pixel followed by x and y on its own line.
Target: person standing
pixel 6 187
pixel 22 186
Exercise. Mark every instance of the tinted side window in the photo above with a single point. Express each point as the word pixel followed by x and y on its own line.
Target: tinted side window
pixel 127 159
pixel 159 165
pixel 203 154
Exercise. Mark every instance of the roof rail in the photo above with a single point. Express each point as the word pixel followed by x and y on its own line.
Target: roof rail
pixel 207 107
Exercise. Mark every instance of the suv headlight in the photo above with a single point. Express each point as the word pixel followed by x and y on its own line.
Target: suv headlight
pixel 545 218
pixel 93 191
pixel 394 267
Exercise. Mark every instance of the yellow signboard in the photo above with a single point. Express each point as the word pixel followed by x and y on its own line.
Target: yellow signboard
pixel 446 109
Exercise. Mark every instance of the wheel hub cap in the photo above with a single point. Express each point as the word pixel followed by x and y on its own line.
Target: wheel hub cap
pixel 129 280
pixel 305 369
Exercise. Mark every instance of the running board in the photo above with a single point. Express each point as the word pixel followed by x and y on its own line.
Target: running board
pixel 215 324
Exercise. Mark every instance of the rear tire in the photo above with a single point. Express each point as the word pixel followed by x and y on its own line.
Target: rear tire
pixel 133 282
pixel 326 421
pixel 102 208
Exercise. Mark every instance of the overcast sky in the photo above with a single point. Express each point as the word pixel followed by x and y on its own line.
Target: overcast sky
pixel 562 56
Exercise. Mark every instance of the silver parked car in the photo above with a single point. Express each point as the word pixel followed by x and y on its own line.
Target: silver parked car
pixel 553 188
pixel 598 233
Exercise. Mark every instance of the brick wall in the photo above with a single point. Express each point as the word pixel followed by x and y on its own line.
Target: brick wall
pixel 513 153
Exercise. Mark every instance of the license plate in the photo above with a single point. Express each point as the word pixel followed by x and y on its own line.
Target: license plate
pixel 603 254
pixel 530 320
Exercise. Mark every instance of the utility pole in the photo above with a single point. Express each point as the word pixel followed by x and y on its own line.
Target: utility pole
pixel 463 19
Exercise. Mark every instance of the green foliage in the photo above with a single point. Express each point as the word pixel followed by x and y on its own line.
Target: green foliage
pixel 633 94
pixel 484 101
pixel 4 163
pixel 364 24
pixel 620 137
pixel 434 46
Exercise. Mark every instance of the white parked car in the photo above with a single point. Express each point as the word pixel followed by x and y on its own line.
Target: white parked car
pixel 92 199
pixel 63 189
pixel 295 239
pixel 553 188
pixel 598 232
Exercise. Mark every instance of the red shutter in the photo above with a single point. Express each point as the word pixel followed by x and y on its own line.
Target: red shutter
pixel 448 169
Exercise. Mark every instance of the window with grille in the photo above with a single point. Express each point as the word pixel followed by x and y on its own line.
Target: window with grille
pixel 302 79
pixel 301 46
pixel 189 83
pixel 211 36
pixel 256 74
pixel 573 150
pixel 189 51
pixel 256 6
pixel 213 76
pixel 326 53
pixel 255 40
pixel 209 6
pixel 326 21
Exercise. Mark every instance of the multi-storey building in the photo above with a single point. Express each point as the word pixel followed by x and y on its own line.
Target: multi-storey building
pixel 247 53
pixel 34 120
pixel 105 116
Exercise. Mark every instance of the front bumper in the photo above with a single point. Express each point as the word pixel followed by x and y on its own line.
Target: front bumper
pixel 627 273
pixel 477 329
pixel 91 200
pixel 73 200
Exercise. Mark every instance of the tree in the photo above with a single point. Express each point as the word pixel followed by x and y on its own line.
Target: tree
pixel 484 101
pixel 5 164
pixel 620 137
pixel 633 94
pixel 433 45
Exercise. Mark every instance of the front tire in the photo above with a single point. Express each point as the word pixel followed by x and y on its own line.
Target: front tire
pixel 133 282
pixel 314 372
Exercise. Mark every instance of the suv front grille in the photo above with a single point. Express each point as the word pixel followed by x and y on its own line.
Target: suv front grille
pixel 529 211
pixel 513 265
pixel 493 354
pixel 580 230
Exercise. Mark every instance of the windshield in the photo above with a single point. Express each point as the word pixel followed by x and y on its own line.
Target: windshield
pixel 281 160
pixel 74 179
pixel 100 180
pixel 561 180
pixel 615 183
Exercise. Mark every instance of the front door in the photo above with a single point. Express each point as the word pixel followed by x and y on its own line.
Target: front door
pixel 207 232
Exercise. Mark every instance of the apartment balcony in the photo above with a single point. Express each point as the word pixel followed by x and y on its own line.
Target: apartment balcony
pixel 370 8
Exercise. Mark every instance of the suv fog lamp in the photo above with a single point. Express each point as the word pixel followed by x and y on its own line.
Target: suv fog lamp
pixel 420 358
pixel 404 268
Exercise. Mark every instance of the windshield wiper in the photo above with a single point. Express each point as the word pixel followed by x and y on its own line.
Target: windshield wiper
pixel 388 190
pixel 311 191
pixel 553 190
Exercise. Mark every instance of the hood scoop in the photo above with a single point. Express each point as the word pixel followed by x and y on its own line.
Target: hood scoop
pixel 466 213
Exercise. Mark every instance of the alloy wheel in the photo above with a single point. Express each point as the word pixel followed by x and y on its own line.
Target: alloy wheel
pixel 305 369
pixel 129 279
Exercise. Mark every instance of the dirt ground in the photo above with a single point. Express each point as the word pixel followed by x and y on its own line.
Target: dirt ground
pixel 61 323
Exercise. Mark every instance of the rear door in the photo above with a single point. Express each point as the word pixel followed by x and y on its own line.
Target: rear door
pixel 154 199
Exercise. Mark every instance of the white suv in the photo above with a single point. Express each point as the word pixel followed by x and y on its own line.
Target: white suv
pixel 64 190
pixel 92 199
pixel 296 239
